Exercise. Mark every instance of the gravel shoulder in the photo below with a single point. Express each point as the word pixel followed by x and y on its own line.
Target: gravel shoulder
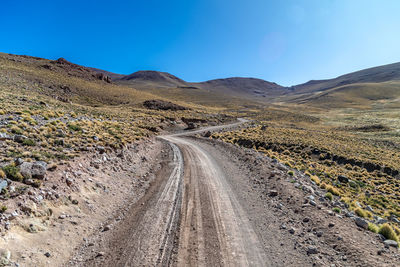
pixel 293 231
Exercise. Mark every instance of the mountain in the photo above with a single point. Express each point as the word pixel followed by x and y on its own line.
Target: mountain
pixel 365 88
pixel 250 87
pixel 154 78
pixel 378 74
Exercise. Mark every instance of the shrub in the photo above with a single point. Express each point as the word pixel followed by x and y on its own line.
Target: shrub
pixel 74 127
pixel 28 142
pixel 2 174
pixel 315 179
pixel 373 227
pixel 291 173
pixel 3 209
pixel 360 212
pixel 13 173
pixel 387 231
pixel 329 196
pixel 333 190
pixel 337 210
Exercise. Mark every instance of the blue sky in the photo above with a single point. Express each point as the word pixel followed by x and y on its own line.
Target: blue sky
pixel 288 42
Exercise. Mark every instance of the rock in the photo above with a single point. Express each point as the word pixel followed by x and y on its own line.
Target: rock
pixel 319 234
pixel 4 136
pixel 350 214
pixel 308 189
pixel 5 256
pixel 47 254
pixel 75 202
pixel 292 230
pixel 26 170
pixel 313 203
pixel 19 138
pixel 273 193
pixel 39 169
pixel 369 208
pixel 361 223
pixel 101 149
pixel 343 179
pixel 62 216
pixel 100 254
pixel 191 126
pixel 33 170
pixel 330 225
pixel 390 243
pixel 107 228
pixel 306 220
pixel 18 161
pixel 312 250
pixel 95 138
pixel 3 184
pixel 380 220
pixel 207 134
pixel 69 181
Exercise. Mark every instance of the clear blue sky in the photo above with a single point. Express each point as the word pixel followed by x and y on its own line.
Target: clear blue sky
pixel 288 42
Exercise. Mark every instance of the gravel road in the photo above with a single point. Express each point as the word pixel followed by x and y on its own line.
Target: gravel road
pixel 211 204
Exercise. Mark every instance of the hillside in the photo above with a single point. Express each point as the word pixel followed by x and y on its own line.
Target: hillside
pixel 378 74
pixel 247 87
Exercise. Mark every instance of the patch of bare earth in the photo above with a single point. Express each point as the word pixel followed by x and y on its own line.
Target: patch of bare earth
pixel 79 199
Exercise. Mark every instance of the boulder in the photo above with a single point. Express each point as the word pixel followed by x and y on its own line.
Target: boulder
pixel 39 169
pixel 361 223
pixel 33 170
pixel 26 169
pixel 390 243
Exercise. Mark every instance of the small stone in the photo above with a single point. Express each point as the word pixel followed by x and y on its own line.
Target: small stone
pixel 101 149
pixel 312 250
pixel 292 230
pixel 390 243
pixel 75 202
pixel 273 193
pixel 100 254
pixel 330 225
pixel 369 208
pixel 106 228
pixel 306 220
pixel 47 254
pixel 69 181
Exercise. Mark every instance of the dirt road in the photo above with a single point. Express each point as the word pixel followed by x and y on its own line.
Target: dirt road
pixel 211 204
pixel 214 229
pixel 189 217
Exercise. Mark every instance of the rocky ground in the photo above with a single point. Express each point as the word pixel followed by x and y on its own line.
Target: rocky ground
pixel 41 227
